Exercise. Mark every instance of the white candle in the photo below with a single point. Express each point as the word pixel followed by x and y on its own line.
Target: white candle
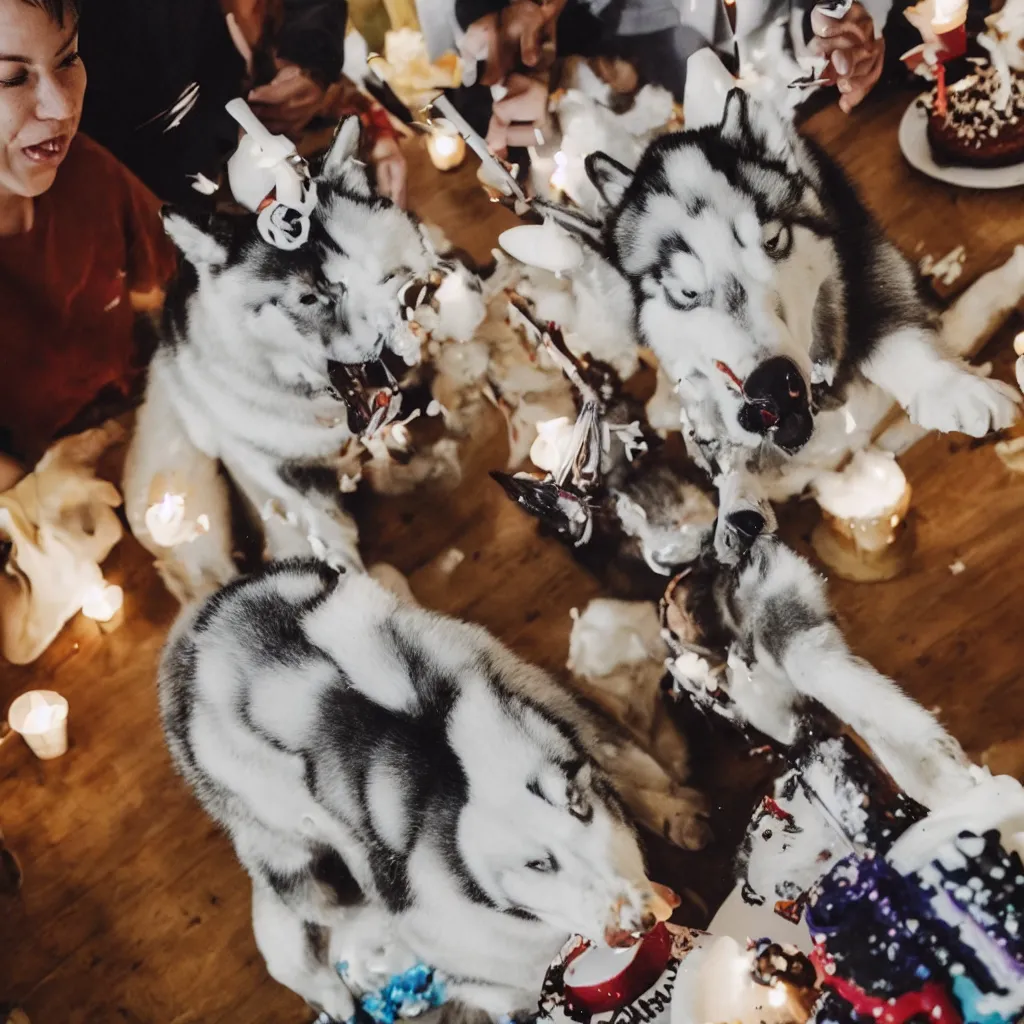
pixel 716 983
pixel 447 151
pixel 1018 347
pixel 546 246
pixel 102 602
pixel 554 439
pixel 167 525
pixel 41 718
pixel 870 497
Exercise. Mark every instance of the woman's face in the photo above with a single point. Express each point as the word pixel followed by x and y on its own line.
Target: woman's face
pixel 42 82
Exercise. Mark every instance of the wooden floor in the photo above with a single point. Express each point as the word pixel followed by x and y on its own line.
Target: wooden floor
pixel 133 907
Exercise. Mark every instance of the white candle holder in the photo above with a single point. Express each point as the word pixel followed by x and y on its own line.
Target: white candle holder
pixel 40 717
pixel 864 535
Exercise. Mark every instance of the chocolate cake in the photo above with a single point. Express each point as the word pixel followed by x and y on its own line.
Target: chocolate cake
pixel 973 133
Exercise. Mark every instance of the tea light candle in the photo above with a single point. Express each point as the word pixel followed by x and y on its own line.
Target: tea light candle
pixel 546 246
pixel 716 983
pixel 167 525
pixel 554 440
pixel 864 508
pixel 103 603
pixel 447 150
pixel 41 718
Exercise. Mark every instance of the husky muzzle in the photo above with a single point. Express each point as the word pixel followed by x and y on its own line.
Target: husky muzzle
pixel 776 404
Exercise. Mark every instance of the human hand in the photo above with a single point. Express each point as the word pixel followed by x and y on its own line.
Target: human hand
pixel 510 37
pixel 289 102
pixel 518 116
pixel 389 164
pixel 855 55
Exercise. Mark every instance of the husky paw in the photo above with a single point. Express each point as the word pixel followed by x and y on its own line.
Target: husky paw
pixel 955 399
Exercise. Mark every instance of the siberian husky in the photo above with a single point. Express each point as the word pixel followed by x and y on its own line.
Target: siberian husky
pixel 401 789
pixel 756 641
pixel 246 372
pixel 769 294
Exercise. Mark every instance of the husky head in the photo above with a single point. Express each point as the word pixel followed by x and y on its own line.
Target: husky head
pixel 543 832
pixel 724 239
pixel 336 297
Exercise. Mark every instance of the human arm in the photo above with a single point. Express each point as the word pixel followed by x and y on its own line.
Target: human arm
pixel 308 52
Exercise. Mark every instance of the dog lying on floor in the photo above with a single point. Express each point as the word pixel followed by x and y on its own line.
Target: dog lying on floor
pixel 400 788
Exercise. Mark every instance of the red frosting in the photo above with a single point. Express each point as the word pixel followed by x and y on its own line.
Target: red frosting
pixel 932 1001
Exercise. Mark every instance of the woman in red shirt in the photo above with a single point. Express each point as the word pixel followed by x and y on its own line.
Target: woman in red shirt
pixel 82 249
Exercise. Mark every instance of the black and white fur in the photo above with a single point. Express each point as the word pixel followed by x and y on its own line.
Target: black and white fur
pixel 399 786
pixel 241 377
pixel 764 286
pixel 768 618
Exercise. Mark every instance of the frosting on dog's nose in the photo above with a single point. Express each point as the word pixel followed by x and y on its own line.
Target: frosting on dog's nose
pixel 776 402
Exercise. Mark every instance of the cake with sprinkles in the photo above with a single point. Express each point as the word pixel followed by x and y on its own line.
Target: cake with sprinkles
pixel 978 129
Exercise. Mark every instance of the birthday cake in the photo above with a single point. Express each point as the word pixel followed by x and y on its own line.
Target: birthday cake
pixel 974 131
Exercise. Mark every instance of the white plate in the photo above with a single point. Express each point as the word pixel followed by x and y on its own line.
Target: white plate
pixel 914 144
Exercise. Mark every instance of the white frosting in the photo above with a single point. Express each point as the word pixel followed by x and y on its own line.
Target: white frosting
pixel 868 487
pixel 542 245
pixel 996 802
pixel 598 964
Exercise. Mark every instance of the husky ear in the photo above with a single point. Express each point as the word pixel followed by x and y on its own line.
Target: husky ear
pixel 735 125
pixel 344 148
pixel 199 243
pixel 574 221
pixel 609 177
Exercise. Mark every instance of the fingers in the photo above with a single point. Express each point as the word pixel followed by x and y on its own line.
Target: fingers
pixel 525 101
pixel 497 137
pixel 286 83
pixel 287 104
pixel 516 119
pixel 857 23
pixel 854 90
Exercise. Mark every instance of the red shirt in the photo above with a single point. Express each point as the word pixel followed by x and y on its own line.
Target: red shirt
pixel 66 320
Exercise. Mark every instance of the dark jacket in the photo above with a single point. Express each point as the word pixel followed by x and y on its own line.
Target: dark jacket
pixel 160 72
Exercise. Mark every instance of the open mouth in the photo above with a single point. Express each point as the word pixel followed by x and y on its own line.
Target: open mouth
pixel 49 151
pixel 370 393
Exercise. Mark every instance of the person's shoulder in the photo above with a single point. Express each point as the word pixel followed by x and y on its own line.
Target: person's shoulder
pixel 88 156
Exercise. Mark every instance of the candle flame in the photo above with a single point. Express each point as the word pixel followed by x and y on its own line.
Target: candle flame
pixel 445 145
pixel 558 176
pixel 776 995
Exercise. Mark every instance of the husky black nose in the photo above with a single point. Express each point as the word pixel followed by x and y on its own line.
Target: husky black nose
pixel 748 523
pixel 776 402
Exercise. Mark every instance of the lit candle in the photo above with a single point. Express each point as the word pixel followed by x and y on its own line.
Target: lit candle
pixel 546 246
pixel 716 983
pixel 41 718
pixel 554 440
pixel 447 150
pixel 167 525
pixel 864 508
pixel 103 603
